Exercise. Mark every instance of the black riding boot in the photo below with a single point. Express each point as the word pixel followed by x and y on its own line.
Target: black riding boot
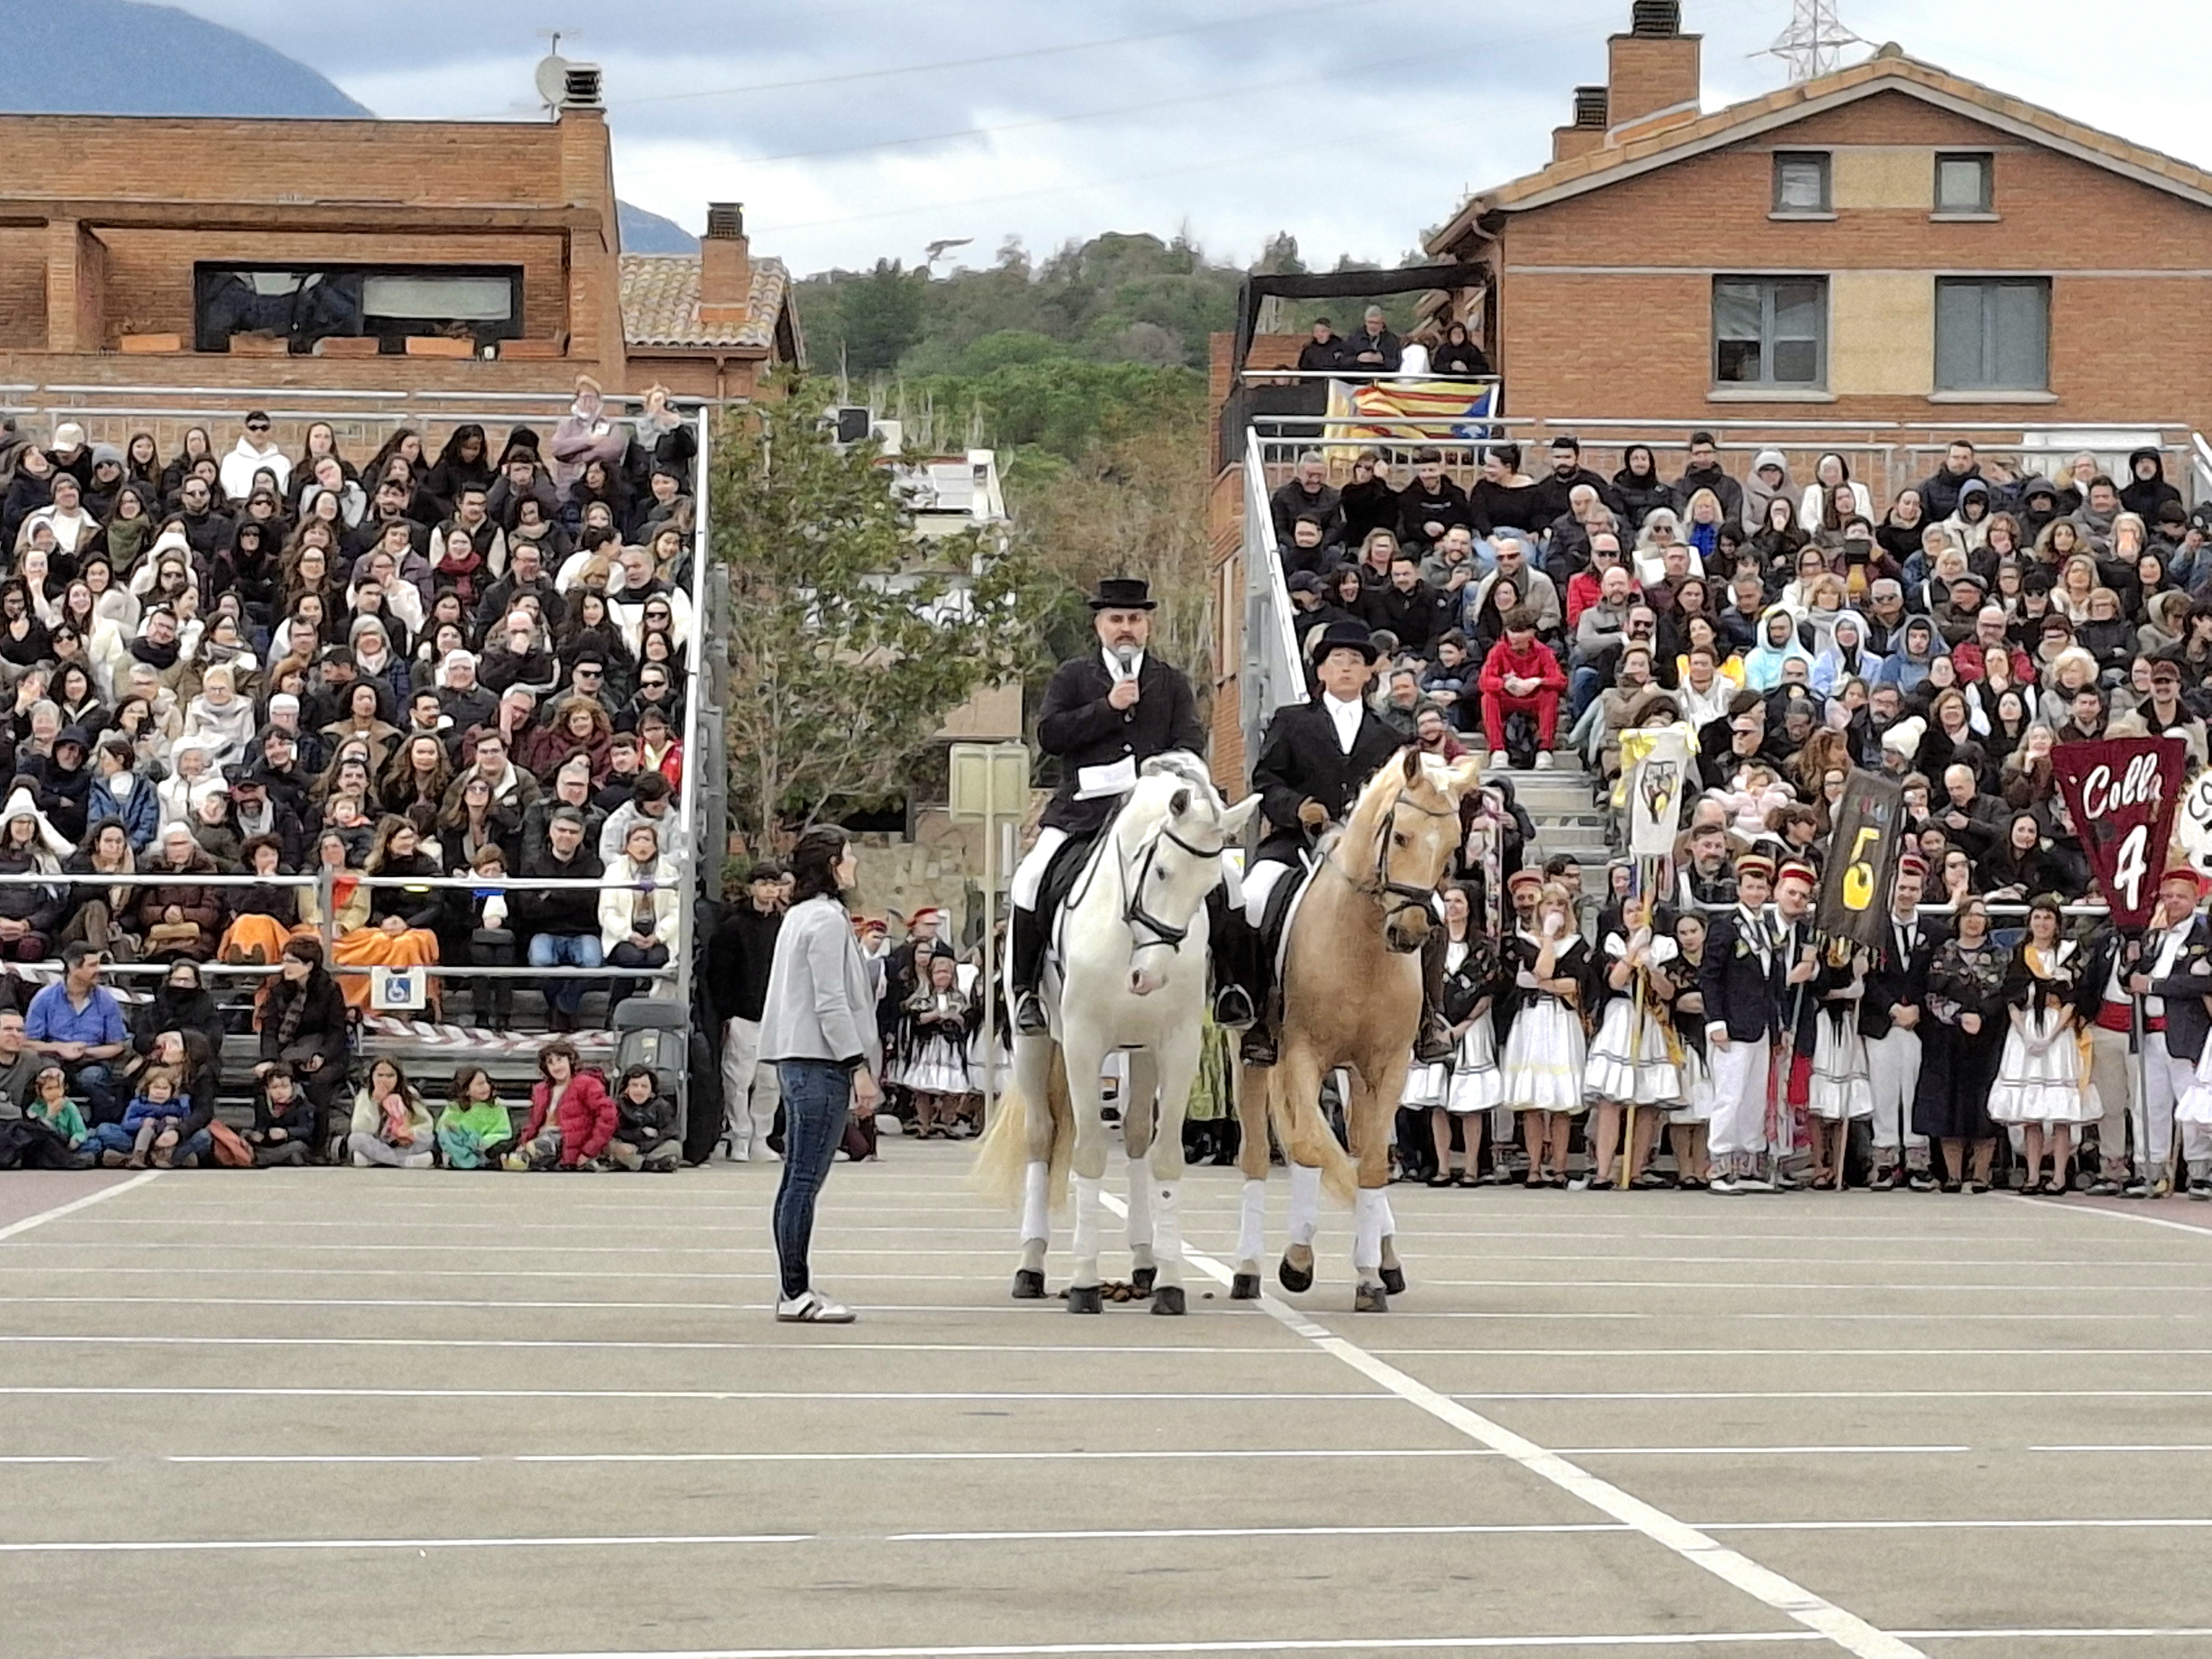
pixel 1434 1045
pixel 1025 946
pixel 1234 1007
pixel 1244 975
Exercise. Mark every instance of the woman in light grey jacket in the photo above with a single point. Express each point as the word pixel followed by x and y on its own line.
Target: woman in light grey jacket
pixel 818 1028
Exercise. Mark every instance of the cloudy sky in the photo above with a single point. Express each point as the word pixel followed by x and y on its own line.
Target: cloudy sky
pixel 855 128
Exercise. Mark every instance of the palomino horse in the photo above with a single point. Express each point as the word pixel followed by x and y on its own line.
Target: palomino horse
pixel 1130 975
pixel 1352 998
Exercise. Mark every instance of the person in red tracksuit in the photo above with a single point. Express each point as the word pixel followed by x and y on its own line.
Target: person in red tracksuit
pixel 1520 674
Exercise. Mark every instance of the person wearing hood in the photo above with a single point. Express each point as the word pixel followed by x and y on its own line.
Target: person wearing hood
pixel 2147 489
pixel 29 845
pixel 1778 645
pixel 1818 508
pixel 219 718
pixel 182 917
pixel 2038 505
pixel 65 516
pixel 1637 486
pixel 120 791
pixel 256 452
pixel 1906 668
pixel 1969 521
pixel 1847 656
pixel 1769 481
pixel 31 490
pixel 2167 625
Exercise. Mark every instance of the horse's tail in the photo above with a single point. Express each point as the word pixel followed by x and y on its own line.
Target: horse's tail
pixel 1010 1139
pixel 1307 1138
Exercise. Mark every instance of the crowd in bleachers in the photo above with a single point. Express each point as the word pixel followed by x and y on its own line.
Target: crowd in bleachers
pixel 465 656
pixel 1797 629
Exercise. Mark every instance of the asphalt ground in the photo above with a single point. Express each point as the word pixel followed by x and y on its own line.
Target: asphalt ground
pixel 401 1414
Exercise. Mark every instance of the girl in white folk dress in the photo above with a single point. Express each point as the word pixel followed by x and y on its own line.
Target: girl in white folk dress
pixel 1633 1060
pixel 935 1068
pixel 1475 1085
pixel 1840 1088
pixel 1685 1126
pixel 2043 1080
pixel 1546 1050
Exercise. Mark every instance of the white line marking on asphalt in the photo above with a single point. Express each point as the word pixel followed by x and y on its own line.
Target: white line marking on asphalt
pixel 1844 1629
pixel 1537 1527
pixel 15 1227
pixel 1130 1396
pixel 2124 1447
pixel 197 1545
pixel 1086 1455
pixel 1546 1643
pixel 1271 1352
pixel 1857 1393
pixel 2200 1229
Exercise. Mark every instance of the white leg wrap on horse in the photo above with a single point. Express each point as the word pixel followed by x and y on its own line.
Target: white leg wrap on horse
pixel 1140 1202
pixel 1167 1227
pixel 1036 1210
pixel 1389 1220
pixel 1305 1203
pixel 1252 1222
pixel 1087 1209
pixel 1367 1213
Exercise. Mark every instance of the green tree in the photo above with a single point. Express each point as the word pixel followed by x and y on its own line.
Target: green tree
pixel 849 641
pixel 880 316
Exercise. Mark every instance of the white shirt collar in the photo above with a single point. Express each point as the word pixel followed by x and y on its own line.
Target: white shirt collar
pixel 1345 717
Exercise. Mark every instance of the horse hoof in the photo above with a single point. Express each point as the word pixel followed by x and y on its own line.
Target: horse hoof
pixel 1293 1279
pixel 1168 1299
pixel 1244 1287
pixel 1370 1298
pixel 1085 1299
pixel 1028 1284
pixel 1141 1279
pixel 1394 1280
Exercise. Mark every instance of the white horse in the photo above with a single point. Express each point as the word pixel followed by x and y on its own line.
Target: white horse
pixel 1128 973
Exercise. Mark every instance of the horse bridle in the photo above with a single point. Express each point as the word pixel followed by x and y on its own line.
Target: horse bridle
pixel 1401 895
pixel 1134 914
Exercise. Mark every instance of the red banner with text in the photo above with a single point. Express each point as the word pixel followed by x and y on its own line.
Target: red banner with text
pixel 2122 792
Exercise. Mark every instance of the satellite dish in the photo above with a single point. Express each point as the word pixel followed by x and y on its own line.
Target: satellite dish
pixel 552 79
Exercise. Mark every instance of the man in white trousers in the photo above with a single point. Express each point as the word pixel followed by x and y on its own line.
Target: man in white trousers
pixel 1741 980
pixel 2174 977
pixel 1889 1022
pixel 739 952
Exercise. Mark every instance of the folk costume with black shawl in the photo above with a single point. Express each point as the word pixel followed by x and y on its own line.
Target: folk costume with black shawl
pixel 1101 750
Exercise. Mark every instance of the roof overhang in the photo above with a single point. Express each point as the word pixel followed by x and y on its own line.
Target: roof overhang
pixel 1990 110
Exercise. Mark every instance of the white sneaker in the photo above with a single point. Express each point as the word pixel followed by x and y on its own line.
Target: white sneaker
pixel 420 1161
pixel 812 1308
pixel 1543 760
pixel 1723 1184
pixel 1752 1183
pixel 740 1154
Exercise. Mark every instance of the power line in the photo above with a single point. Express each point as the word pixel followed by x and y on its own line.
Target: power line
pixel 1003 57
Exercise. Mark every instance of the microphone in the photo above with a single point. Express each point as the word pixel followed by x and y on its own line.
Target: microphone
pixel 1126 656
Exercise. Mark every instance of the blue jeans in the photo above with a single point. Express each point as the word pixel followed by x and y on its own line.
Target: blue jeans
pixel 816 1096
pixel 96 1084
pixel 565 951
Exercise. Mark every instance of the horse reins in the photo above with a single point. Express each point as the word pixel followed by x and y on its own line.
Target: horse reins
pixel 1407 897
pixel 1134 914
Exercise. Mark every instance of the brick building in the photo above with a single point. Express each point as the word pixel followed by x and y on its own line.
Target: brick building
pixel 1888 242
pixel 451 257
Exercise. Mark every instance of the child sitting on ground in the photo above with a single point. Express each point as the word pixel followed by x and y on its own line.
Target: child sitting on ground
pixel 645 1128
pixel 283 1120
pixel 154 1119
pixel 50 1105
pixel 390 1126
pixel 475 1126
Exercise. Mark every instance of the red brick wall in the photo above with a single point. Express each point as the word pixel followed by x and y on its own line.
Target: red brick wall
pixel 2122 348
pixel 22 288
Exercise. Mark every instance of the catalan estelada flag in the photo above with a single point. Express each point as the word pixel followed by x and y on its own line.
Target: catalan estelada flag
pixel 1380 411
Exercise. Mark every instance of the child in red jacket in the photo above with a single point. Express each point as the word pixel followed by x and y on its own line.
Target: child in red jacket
pixel 1521 675
pixel 583 1116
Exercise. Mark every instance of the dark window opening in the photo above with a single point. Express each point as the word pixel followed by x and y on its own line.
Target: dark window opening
pixel 305 304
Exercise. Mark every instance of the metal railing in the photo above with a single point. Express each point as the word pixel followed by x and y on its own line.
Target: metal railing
pixel 1884 456
pixel 1271 673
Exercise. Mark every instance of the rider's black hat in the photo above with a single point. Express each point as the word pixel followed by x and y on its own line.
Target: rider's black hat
pixel 1344 636
pixel 1123 593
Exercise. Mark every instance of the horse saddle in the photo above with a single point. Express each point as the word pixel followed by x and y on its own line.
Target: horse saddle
pixel 1271 908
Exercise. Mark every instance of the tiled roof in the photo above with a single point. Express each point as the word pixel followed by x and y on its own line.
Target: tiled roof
pixel 660 304
pixel 1888 70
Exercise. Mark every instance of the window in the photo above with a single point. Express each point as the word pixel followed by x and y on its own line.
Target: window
pixel 1962 184
pixel 1770 330
pixel 1993 334
pixel 1801 181
pixel 387 303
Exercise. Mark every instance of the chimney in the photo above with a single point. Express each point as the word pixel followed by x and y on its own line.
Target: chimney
pixel 580 87
pixel 725 266
pixel 1653 72
pixel 1587 131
